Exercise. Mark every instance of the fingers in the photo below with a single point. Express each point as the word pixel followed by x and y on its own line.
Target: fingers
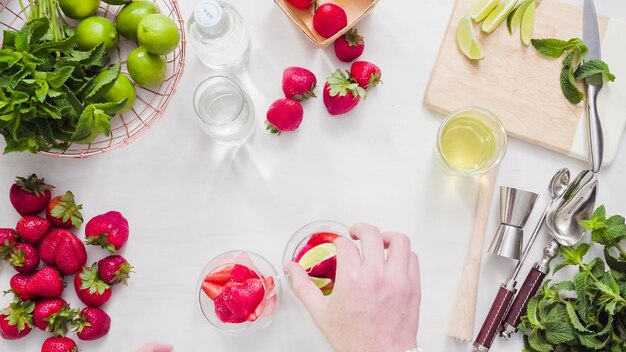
pixel 414 271
pixel 156 347
pixel 372 246
pixel 398 250
pixel 348 257
pixel 304 288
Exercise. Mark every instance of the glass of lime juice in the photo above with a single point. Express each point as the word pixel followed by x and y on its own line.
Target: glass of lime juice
pixel 471 141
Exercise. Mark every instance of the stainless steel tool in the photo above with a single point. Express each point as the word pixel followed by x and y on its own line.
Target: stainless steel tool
pixel 591 38
pixel 515 208
pixel 563 223
pixel 491 326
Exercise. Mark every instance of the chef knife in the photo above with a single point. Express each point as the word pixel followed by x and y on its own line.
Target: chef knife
pixel 591 37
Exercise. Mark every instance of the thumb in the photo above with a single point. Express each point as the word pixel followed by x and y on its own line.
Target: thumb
pixel 156 347
pixel 304 288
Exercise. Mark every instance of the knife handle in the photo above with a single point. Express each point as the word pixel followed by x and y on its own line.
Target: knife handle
pixel 518 308
pixel 596 140
pixel 492 322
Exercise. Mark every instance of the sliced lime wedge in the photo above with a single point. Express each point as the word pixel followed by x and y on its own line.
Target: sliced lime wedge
pixel 514 20
pixel 467 41
pixel 497 16
pixel 528 23
pixel 321 282
pixel 482 9
pixel 317 255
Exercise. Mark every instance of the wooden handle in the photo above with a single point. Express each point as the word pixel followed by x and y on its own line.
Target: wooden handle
pixel 529 289
pixel 494 318
pixel 461 324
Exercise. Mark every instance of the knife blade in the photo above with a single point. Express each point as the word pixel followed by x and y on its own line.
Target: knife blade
pixel 591 38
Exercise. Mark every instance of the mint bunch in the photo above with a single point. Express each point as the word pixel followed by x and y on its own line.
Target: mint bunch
pixel 573 66
pixel 587 313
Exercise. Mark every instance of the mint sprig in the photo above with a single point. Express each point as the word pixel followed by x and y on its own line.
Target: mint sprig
pixel 588 312
pixel 573 67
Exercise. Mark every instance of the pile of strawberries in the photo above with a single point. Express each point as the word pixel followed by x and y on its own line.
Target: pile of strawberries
pixel 49 240
pixel 342 91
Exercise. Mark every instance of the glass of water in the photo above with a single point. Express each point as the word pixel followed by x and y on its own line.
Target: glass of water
pixel 224 109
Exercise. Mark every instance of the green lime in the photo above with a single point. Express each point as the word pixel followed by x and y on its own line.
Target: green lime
pixel 95 30
pixel 482 9
pixel 146 69
pixel 514 20
pixel 321 282
pixel 122 89
pixel 497 16
pixel 528 23
pixel 158 34
pixel 128 18
pixel 467 41
pixel 317 255
pixel 79 9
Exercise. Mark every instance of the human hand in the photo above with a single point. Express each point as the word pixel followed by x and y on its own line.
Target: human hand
pixel 156 347
pixel 375 301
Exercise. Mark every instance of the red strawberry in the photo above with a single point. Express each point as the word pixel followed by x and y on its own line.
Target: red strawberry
pixel 329 19
pixel 341 94
pixel 63 212
pixel 64 250
pixel 109 230
pixel 221 276
pixel 299 83
pixel 90 289
pixel 301 4
pixel 239 300
pixel 24 258
pixel 8 237
pixel 45 283
pixel 366 74
pixel 32 229
pixel 59 344
pixel 16 321
pixel 30 195
pixel 53 315
pixel 212 290
pixel 322 237
pixel 93 324
pixel 114 269
pixel 349 46
pixel 284 115
pixel 242 273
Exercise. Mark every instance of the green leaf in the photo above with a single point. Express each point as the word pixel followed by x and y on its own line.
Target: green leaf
pixel 574 256
pixel 573 317
pixel 568 86
pixel 103 82
pixel 531 313
pixel 593 67
pixel 30 33
pixel 58 78
pixel 538 343
pixel 592 342
pixel 617 264
pixel 94 120
pixel 553 48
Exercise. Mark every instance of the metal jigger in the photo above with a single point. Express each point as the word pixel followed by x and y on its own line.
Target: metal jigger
pixel 515 208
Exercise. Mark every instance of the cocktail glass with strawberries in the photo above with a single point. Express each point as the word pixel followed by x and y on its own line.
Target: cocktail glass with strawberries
pixel 312 246
pixel 239 292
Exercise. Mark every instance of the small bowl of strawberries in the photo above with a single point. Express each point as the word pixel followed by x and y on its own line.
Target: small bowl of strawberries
pixel 313 248
pixel 325 21
pixel 239 292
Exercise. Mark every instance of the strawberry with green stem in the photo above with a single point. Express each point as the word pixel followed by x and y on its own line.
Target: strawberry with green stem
pixel 114 269
pixel 45 283
pixel 109 230
pixel 30 195
pixel 342 93
pixel 53 315
pixel 24 258
pixel 59 344
pixel 16 321
pixel 299 83
pixel 349 46
pixel 64 250
pixel 32 229
pixel 90 288
pixel 284 115
pixel 366 74
pixel 63 212
pixel 93 323
pixel 8 237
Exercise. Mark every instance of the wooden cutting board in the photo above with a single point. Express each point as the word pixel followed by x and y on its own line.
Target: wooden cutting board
pixel 522 88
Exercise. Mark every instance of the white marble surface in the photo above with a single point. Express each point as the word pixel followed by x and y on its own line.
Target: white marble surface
pixel 189 199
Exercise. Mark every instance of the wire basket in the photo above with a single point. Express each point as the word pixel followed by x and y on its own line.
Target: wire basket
pixel 150 104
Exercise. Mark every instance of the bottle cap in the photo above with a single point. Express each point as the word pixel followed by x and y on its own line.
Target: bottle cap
pixel 208 13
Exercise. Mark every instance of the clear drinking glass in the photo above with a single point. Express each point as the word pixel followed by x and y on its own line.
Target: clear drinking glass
pixel 267 308
pixel 471 141
pixel 225 111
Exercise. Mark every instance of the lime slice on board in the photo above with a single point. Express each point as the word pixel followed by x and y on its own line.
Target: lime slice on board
pixel 514 20
pixel 467 41
pixel 482 9
pixel 528 23
pixel 321 282
pixel 497 16
pixel 317 255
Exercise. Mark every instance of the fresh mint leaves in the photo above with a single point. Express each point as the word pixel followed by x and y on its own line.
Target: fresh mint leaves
pixel 573 67
pixel 587 313
pixel 50 92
